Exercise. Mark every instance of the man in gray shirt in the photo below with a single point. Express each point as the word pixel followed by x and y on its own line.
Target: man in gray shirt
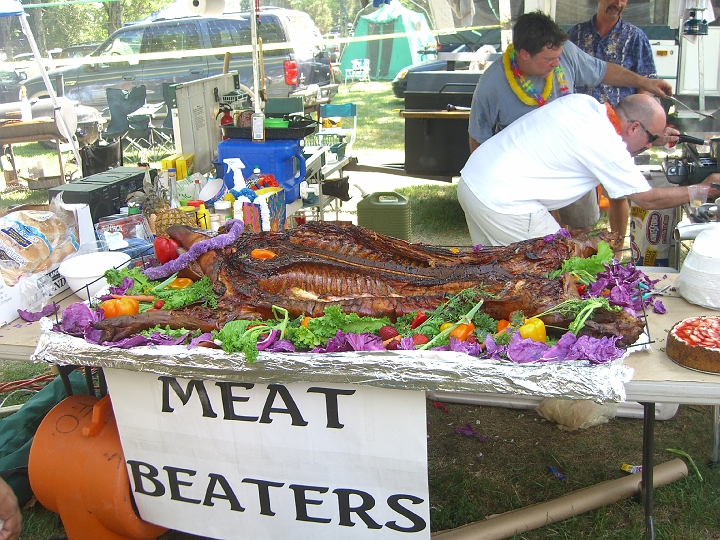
pixel 540 66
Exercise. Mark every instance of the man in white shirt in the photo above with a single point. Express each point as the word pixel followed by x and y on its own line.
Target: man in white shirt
pixel 553 156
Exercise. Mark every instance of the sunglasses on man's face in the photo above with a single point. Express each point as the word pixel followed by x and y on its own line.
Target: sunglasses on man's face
pixel 651 138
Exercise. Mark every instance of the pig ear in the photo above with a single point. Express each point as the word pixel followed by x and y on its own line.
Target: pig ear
pixel 184 235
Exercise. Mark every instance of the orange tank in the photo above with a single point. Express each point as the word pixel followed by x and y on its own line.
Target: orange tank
pixel 77 469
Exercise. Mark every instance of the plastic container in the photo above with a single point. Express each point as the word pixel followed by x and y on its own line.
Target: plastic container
pixel 281 158
pixel 224 210
pixel 386 213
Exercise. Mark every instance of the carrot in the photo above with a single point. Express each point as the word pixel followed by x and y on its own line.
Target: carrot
pixel 139 298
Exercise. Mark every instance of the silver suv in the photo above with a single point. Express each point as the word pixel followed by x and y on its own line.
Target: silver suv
pixel 300 69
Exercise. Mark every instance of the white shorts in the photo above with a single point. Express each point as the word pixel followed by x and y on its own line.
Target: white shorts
pixel 491 228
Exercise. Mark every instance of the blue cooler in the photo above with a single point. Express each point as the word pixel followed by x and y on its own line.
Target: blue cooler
pixel 281 158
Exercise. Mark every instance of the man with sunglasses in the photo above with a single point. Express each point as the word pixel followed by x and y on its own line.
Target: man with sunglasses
pixel 553 156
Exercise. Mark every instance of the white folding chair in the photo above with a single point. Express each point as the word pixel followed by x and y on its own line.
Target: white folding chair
pixel 360 70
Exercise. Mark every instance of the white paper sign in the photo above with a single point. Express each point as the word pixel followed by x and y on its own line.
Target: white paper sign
pixel 302 460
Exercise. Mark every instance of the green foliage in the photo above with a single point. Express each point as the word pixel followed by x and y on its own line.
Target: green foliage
pixel 586 268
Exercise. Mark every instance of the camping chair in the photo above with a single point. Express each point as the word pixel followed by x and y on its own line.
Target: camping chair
pixel 101 156
pixel 334 124
pixel 163 136
pixel 360 70
pixel 121 104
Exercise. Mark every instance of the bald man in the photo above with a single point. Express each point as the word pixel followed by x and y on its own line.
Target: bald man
pixel 553 156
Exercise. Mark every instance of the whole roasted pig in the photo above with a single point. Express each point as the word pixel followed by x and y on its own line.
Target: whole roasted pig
pixel 363 272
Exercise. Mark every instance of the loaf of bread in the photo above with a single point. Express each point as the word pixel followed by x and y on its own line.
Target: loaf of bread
pixel 33 240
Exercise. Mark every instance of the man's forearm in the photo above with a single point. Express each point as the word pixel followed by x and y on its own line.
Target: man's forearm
pixel 473 144
pixel 616 75
pixel 618 216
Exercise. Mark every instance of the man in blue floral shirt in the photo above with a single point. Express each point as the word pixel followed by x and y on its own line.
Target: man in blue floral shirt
pixel 607 37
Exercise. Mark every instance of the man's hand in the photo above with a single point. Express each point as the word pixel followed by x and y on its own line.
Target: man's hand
pixel 657 87
pixel 9 513
pixel 669 136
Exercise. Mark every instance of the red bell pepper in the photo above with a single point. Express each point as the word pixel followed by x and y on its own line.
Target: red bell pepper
pixel 418 320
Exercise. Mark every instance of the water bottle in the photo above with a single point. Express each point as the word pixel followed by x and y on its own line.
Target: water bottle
pixel 172 186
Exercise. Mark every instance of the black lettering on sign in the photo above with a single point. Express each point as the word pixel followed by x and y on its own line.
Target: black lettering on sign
pixel 331 403
pixel 344 508
pixel 418 523
pixel 301 502
pixel 171 382
pixel 228 493
pixel 175 483
pixel 150 474
pixel 290 407
pixel 264 493
pixel 226 391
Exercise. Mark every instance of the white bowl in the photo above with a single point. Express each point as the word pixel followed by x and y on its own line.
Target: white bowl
pixel 88 269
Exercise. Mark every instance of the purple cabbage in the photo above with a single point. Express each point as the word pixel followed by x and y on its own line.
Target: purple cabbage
pixel 77 316
pixel 34 316
pixel 216 242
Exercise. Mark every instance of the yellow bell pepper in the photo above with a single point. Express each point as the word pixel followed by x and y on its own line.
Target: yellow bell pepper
pixel 533 329
pixel 180 283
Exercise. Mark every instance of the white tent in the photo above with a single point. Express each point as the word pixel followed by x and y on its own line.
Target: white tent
pixel 13 8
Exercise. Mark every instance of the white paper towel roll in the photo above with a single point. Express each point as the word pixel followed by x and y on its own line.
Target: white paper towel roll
pixel 206 7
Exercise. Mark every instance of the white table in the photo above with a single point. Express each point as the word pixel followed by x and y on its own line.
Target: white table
pixel 656 378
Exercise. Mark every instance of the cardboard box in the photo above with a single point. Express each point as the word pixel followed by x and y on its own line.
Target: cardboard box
pixel 185 166
pixel 169 162
pixel 10 297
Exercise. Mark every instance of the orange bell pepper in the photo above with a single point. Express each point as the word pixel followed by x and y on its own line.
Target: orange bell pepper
pixel 502 324
pixel 120 306
pixel 262 254
pixel 463 331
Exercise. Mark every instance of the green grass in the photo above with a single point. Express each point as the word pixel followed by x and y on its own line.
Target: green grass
pixel 379 124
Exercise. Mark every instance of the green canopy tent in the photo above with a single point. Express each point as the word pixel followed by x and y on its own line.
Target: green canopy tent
pixel 389 55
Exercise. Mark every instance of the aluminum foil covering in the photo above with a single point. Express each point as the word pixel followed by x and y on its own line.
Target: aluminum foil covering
pixel 411 370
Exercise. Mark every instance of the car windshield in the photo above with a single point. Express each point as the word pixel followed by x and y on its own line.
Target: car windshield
pixel 7 75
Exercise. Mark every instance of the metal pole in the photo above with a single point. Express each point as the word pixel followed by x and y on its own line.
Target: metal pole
pixel 33 45
pixel 647 468
pixel 255 62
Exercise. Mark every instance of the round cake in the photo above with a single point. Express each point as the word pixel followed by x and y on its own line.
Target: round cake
pixel 695 343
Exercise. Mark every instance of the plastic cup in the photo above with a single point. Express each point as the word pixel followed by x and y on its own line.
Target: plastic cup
pixel 698 195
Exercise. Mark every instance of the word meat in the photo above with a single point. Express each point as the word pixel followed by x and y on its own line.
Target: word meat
pixel 230 401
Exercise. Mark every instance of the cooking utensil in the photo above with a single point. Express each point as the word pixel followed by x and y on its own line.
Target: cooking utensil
pixel 676 100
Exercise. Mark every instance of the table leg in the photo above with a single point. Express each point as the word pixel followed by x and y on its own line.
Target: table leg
pixel 647 467
pixel 716 434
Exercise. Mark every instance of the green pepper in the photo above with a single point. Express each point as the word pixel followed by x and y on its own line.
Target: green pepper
pixel 533 329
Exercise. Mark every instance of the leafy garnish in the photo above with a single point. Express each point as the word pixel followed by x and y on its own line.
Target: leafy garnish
pixel 141 283
pixel 585 269
pixel 581 310
pixel 200 290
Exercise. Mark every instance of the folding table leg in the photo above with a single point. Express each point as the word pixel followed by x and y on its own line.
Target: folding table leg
pixel 647 468
pixel 716 434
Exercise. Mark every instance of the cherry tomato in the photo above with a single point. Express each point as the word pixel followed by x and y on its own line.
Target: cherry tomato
pixel 165 248
pixel 120 306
